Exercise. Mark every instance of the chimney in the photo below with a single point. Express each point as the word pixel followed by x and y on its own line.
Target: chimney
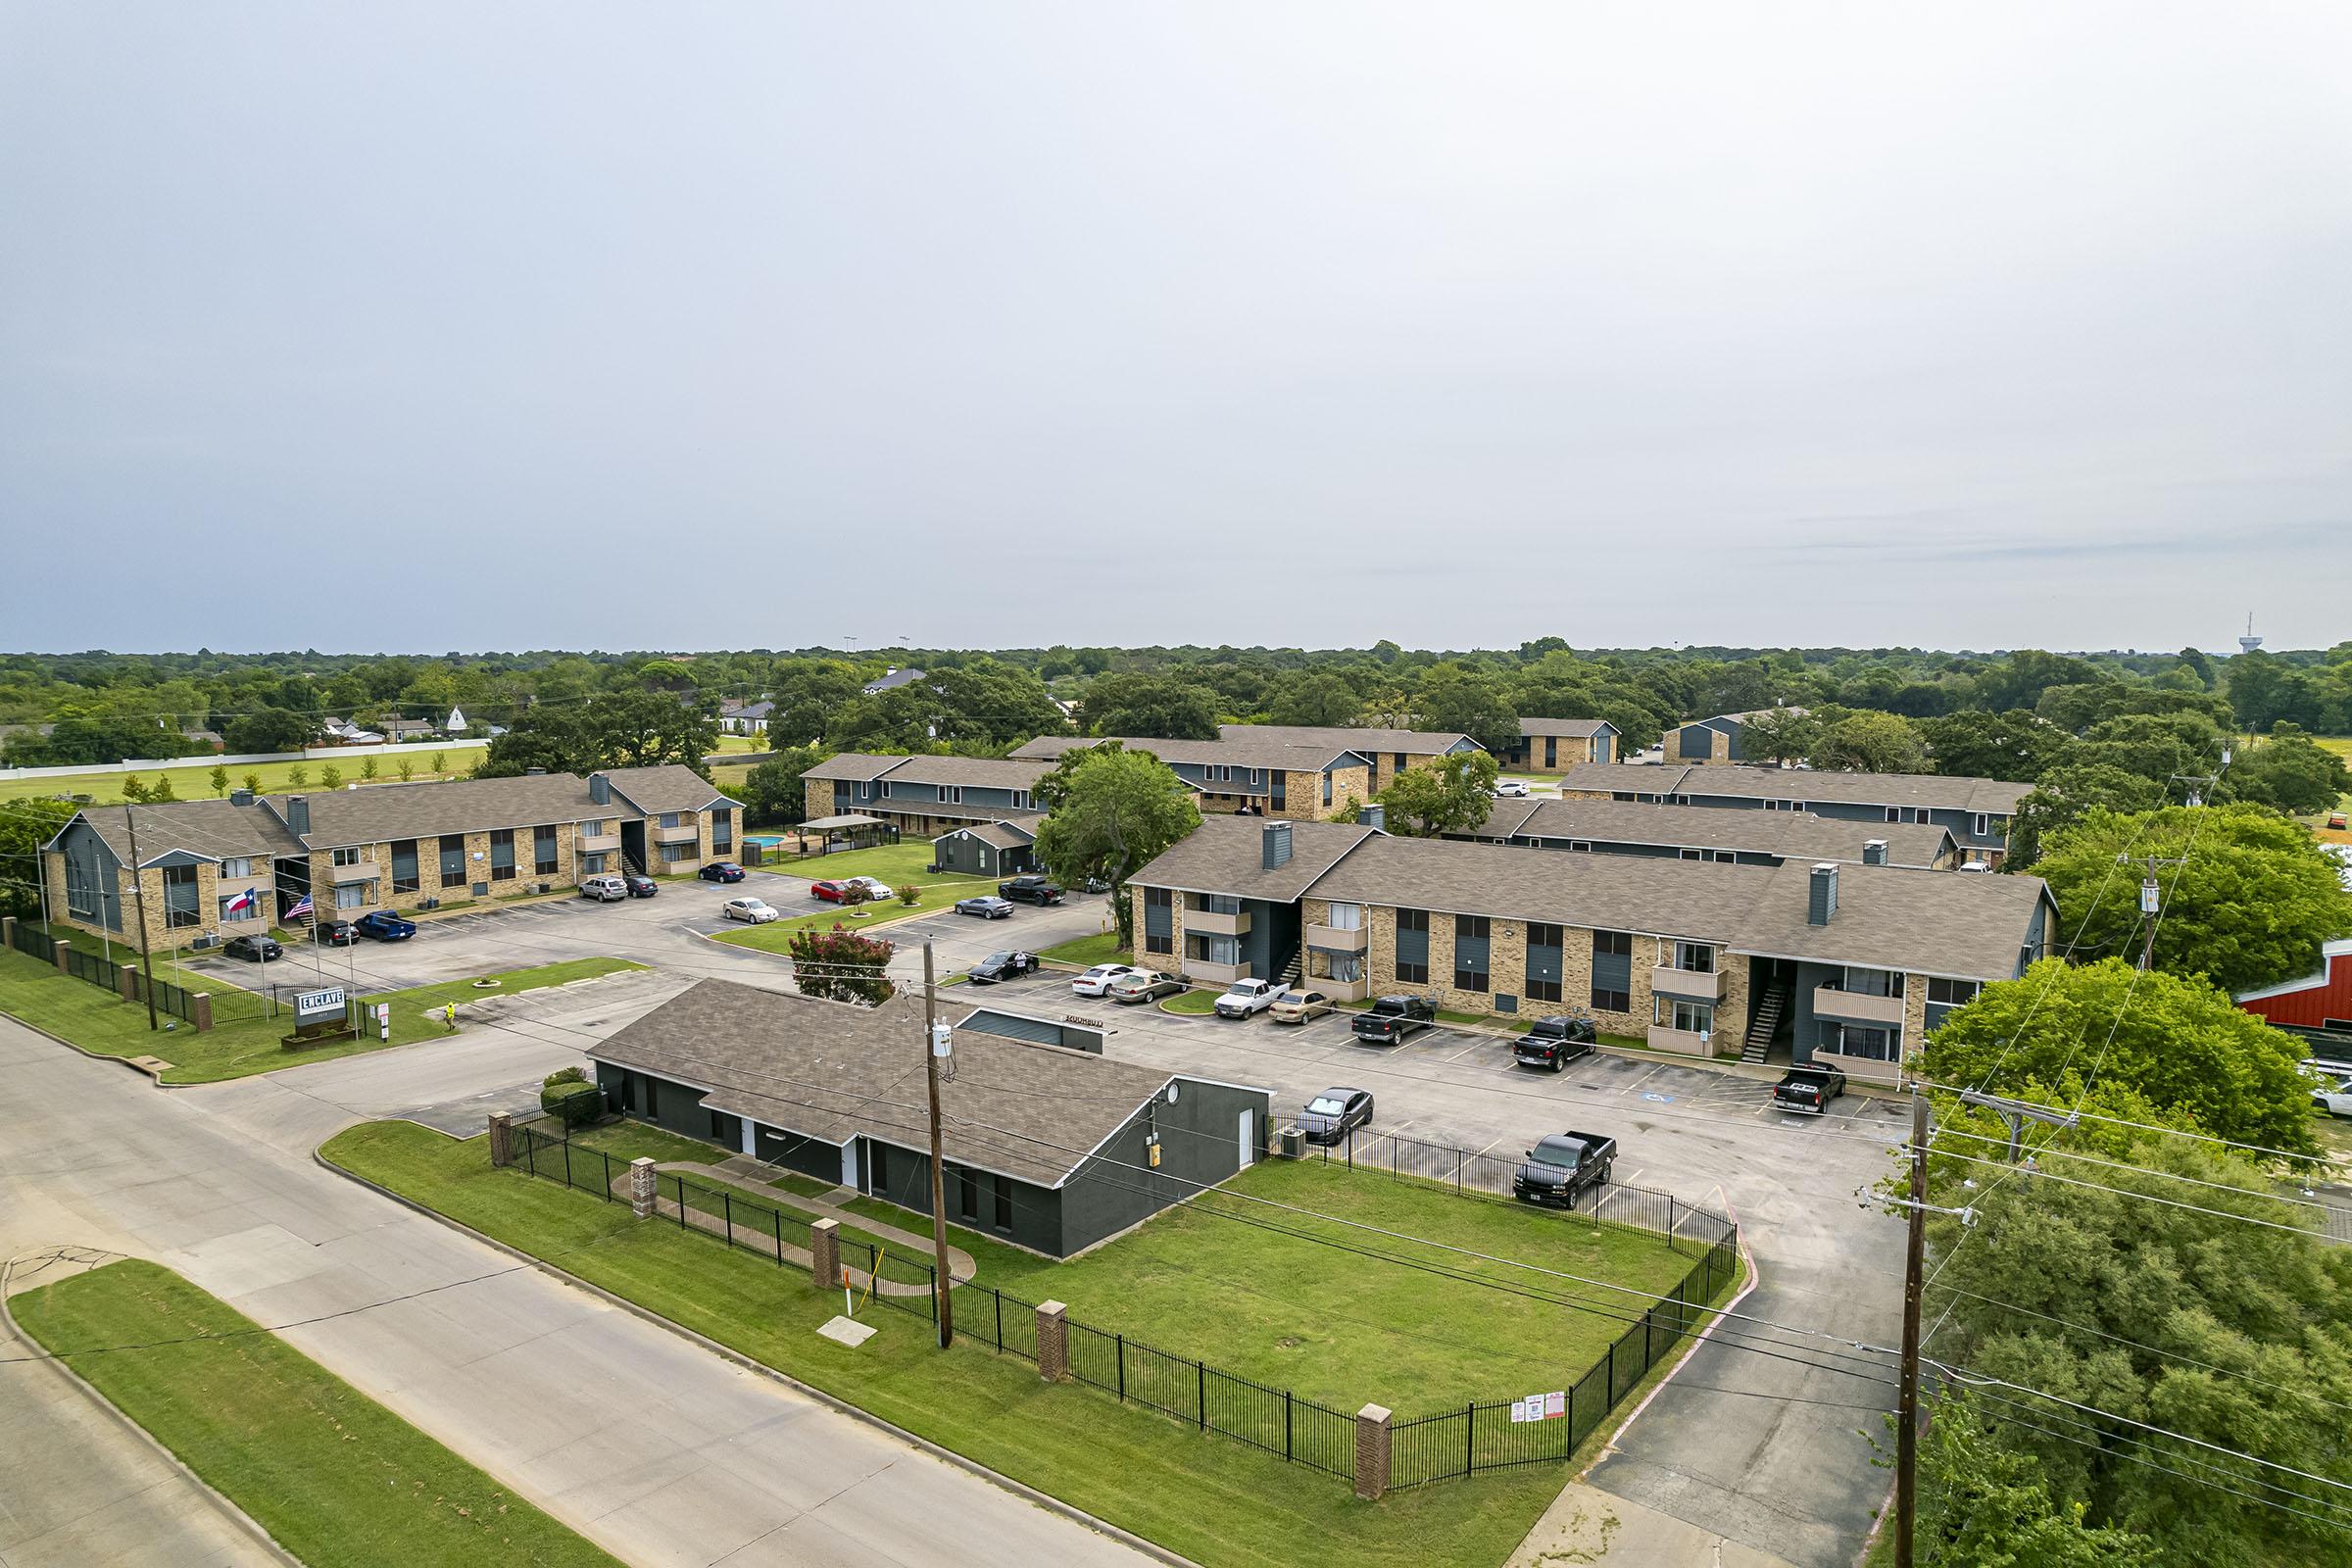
pixel 298 817
pixel 240 796
pixel 1274 845
pixel 1875 853
pixel 600 789
pixel 1820 897
pixel 1374 815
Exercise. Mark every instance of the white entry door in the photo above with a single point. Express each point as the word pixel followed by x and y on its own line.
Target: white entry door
pixel 1249 1136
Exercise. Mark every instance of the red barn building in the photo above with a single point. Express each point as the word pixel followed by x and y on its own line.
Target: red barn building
pixel 2319 1001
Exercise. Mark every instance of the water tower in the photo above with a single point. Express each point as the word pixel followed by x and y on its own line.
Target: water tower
pixel 2249 642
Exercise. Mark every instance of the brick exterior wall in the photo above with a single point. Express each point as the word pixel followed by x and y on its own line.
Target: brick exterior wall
pixel 1171 961
pixel 817 798
pixel 1719 749
pixel 1571 751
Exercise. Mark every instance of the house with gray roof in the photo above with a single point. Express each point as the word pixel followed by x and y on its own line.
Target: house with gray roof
pixel 1390 752
pixel 1848 962
pixel 1252 772
pixel 1549 745
pixel 1976 810
pixel 926 796
pixel 1713 741
pixel 1589 825
pixel 1049 1147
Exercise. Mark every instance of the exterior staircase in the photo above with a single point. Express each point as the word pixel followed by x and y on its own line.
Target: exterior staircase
pixel 1289 978
pixel 1767 1024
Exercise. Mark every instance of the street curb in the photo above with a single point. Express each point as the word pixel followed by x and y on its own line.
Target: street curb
pixel 1026 1492
pixel 94 1056
pixel 235 1516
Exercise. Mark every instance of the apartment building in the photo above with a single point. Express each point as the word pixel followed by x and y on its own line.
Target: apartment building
pixel 1696 833
pixel 212 870
pixel 1975 811
pixel 1249 775
pixel 1388 751
pixel 1712 742
pixel 925 796
pixel 1549 745
pixel 1847 964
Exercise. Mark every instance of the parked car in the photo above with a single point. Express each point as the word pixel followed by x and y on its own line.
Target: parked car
pixel 336 932
pixel 2335 820
pixel 1335 1113
pixel 758 911
pixel 985 907
pixel 1808 1090
pixel 1297 1006
pixel 1393 1019
pixel 876 889
pixel 1555 1042
pixel 1509 787
pixel 603 889
pixel 721 871
pixel 2334 1098
pixel 383 925
pixel 830 892
pixel 1095 884
pixel 1143 985
pixel 640 886
pixel 1563 1165
pixel 1031 889
pixel 1002 966
pixel 1096 982
pixel 255 949
pixel 1246 999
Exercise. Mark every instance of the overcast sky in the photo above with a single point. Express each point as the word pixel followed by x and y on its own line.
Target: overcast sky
pixel 419 326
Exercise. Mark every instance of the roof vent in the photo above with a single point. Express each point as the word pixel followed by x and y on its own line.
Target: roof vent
pixel 1374 815
pixel 1873 853
pixel 600 789
pixel 298 817
pixel 1274 845
pixel 1821 901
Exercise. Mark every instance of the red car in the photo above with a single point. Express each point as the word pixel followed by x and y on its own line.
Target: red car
pixel 830 892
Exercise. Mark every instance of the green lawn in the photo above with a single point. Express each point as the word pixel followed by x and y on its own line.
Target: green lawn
pixel 191 780
pixel 243 1039
pixel 938 893
pixel 894 863
pixel 1090 950
pixel 1215 1501
pixel 1194 1003
pixel 338 1479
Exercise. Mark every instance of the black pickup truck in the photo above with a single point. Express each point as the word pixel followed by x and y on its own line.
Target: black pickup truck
pixel 1555 1042
pixel 1392 1018
pixel 1808 1091
pixel 1030 890
pixel 1563 1165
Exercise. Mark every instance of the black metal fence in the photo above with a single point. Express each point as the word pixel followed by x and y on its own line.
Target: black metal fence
pixel 31 943
pixel 1686 1227
pixel 95 967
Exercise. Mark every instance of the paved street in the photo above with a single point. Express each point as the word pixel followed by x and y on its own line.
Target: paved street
pixel 662 1452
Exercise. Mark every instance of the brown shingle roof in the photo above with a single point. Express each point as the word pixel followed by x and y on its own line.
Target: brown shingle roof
pixel 1225 853
pixel 377 813
pixel 1576 729
pixel 1791 835
pixel 1927 922
pixel 831 1072
pixel 672 787
pixel 218 831
pixel 991 772
pixel 1002 835
pixel 1238 752
pixel 1945 792
pixel 1413 742
pixel 855 767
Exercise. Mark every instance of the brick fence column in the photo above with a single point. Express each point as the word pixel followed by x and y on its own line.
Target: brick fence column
pixel 641 1188
pixel 501 1139
pixel 8 930
pixel 126 981
pixel 200 1010
pixel 1372 1452
pixel 60 956
pixel 824 1254
pixel 1052 1340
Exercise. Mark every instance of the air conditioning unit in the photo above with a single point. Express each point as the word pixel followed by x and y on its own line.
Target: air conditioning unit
pixel 210 940
pixel 1294 1144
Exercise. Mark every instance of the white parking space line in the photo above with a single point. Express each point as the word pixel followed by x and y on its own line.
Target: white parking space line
pixel 1475 1044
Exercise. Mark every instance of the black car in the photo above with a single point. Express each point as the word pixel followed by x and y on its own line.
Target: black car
pixel 1335 1113
pixel 1030 890
pixel 256 949
pixel 1002 966
pixel 1563 1165
pixel 1808 1091
pixel 1557 1041
pixel 1393 1018
pixel 640 885
pixel 721 871
pixel 338 933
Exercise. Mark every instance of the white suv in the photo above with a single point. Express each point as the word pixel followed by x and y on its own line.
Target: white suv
pixel 603 889
pixel 1096 982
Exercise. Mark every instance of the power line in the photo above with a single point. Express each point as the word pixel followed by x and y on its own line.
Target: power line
pixel 2125 1191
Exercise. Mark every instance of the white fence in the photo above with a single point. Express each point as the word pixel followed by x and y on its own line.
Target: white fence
pixel 309 753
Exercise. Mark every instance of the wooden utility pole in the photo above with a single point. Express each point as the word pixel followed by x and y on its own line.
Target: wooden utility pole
pixel 941 1282
pixel 1915 1254
pixel 138 894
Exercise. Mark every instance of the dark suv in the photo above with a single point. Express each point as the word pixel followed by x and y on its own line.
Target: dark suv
pixel 1030 890
pixel 1808 1090
pixel 1555 1042
pixel 1392 1019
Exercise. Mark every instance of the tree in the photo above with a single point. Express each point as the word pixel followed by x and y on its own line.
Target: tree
pixel 2061 797
pixel 1870 743
pixel 330 777
pixel 218 778
pixel 2179 1045
pixel 271 729
pixel 1148 706
pixel 2249 902
pixel 1454 699
pixel 440 763
pixel 298 776
pixel 407 770
pixel 773 792
pixel 367 769
pixel 2288 773
pixel 842 965
pixel 1449 794
pixel 2016 744
pixel 163 788
pixel 1108 811
pixel 1319 702
pixel 252 782
pixel 134 788
pixel 1985 1504
pixel 1780 735
pixel 25 827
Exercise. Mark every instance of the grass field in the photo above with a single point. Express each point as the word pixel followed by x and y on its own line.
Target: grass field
pixel 1218 1501
pixel 244 1039
pixel 339 1480
pixel 1090 950
pixel 893 864
pixel 1195 1004
pixel 192 780
pixel 938 893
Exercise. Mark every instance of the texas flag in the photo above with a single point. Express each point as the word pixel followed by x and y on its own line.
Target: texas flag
pixel 242 902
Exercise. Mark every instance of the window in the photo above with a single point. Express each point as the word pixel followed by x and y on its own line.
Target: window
pixel 543 852
pixel 673 854
pixel 967 1195
pixel 1853 1040
pixel 725 1129
pixel 1159 921
pixel 1470 951
pixel 1691 855
pixel 877 1167
pixel 1345 968
pixel 1612 971
pixel 1694 957
pixel 1543 945
pixel 251 911
pixel 1281 788
pixel 352 895
pixel 1203 947
pixel 594 864
pixel 1953 992
pixel 1412 947
pixel 722 829
pixel 179 897
pixel 453 860
pixel 404 866
pixel 1689 1017
pixel 1004 1202
pixel 1860 982
pixel 1346 917
pixel 237 866
pixel 951 793
pixel 1020 800
pixel 865 791
pixel 1158 941
pixel 1327 789
pixel 349 854
pixel 1212 902
pixel 1401 762
pixel 1894 813
pixel 501 855
pixel 1983 825
pixel 1584 845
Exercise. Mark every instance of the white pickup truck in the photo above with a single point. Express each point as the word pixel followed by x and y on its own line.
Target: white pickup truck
pixel 1245 997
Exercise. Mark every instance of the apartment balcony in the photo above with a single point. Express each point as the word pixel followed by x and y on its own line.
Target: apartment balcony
pixel 1217 925
pixel 1331 939
pixel 1686 1042
pixel 1221 974
pixel 1853 1007
pixel 345 875
pixel 600 842
pixel 1339 990
pixel 1686 984
pixel 690 833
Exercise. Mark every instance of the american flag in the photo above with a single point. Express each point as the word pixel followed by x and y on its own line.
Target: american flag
pixel 302 907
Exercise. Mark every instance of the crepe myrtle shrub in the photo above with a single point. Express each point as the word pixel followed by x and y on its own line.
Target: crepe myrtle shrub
pixel 909 894
pixel 842 965
pixel 570 1098
pixel 854 892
